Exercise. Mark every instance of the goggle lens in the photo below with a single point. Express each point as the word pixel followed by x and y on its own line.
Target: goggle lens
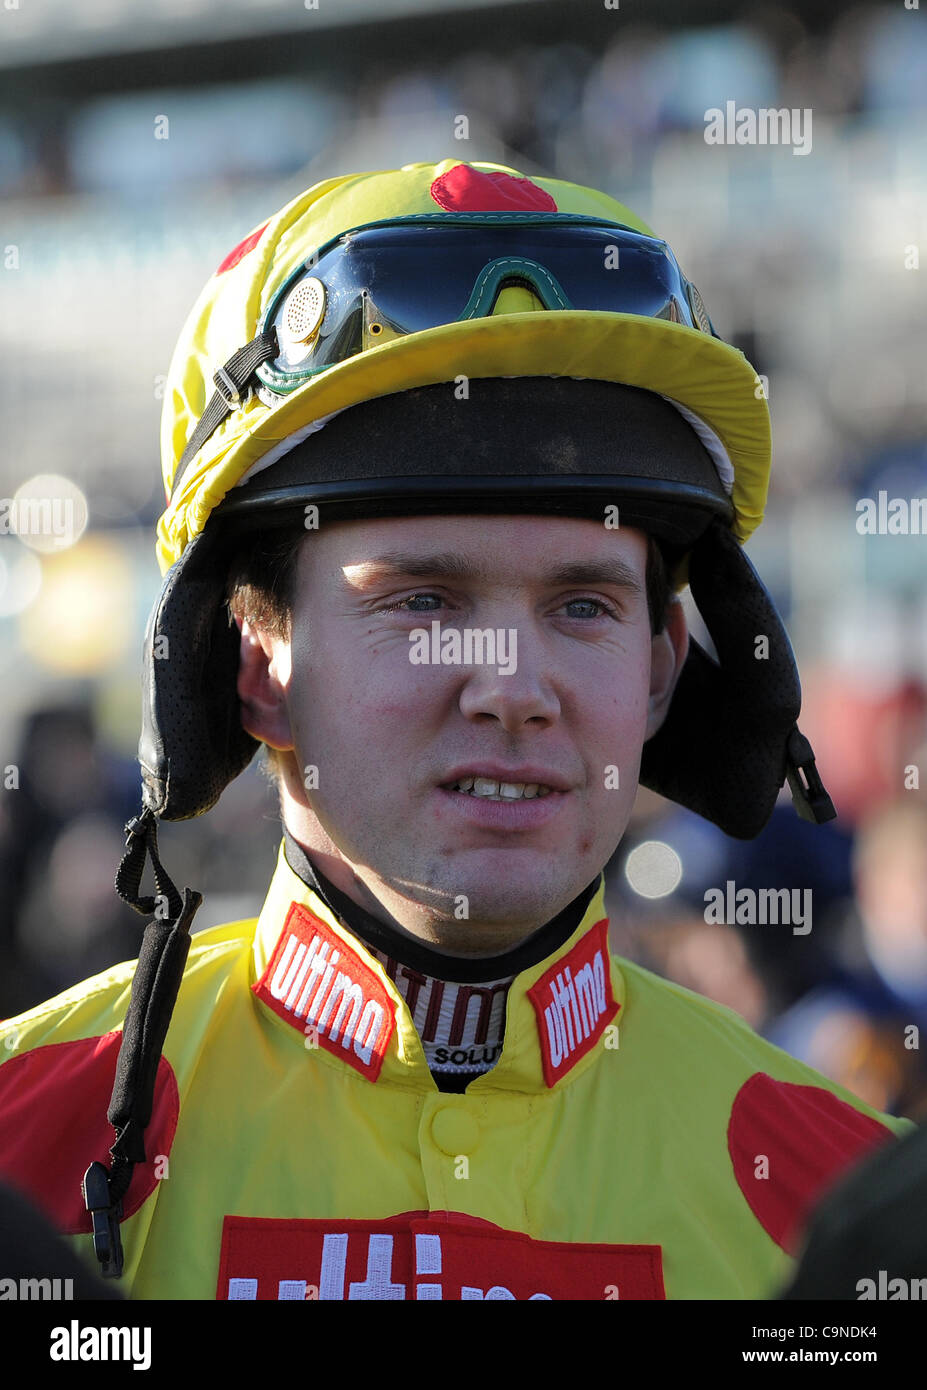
pixel 379 283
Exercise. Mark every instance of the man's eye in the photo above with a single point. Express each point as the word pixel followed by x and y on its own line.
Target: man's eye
pixel 412 604
pixel 591 603
pixel 413 598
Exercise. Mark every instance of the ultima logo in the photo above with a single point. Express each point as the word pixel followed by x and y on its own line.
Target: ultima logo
pixel 314 979
pixel 574 1003
pixel 437 1256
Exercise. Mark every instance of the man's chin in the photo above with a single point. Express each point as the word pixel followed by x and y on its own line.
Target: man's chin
pixel 511 893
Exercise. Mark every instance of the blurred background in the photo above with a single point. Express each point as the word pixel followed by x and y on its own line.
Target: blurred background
pixel 139 143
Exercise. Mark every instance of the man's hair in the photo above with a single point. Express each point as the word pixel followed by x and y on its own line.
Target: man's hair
pixel 262 576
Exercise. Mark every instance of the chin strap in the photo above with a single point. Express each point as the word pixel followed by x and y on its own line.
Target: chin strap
pixel 155 985
pixel 233 386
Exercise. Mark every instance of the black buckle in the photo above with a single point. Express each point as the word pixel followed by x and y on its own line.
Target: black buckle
pixel 229 390
pixel 138 825
pixel 226 386
pixel 106 1215
pixel 810 797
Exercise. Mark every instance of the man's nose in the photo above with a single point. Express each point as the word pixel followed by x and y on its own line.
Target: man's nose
pixel 517 688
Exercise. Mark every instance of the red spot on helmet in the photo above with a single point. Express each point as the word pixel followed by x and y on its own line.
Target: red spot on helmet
pixel 808 1137
pixel 241 250
pixel 465 189
pixel 54 1101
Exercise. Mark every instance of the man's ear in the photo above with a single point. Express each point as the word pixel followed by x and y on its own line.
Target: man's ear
pixel 668 655
pixel 263 683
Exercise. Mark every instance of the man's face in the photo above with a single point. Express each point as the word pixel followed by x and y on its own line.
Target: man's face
pixel 576 687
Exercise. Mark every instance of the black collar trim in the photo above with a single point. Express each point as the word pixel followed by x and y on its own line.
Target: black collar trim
pixel 428 959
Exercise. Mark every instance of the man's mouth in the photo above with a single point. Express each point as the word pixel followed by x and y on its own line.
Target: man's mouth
pixel 491 790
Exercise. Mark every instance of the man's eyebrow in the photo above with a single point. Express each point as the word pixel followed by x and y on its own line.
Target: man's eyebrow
pixel 450 565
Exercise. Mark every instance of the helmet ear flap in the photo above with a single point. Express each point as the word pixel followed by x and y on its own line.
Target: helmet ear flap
pixel 192 743
pixel 723 749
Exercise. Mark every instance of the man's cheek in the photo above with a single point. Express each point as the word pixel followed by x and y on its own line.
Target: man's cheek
pixel 391 701
pixel 625 722
pixel 618 765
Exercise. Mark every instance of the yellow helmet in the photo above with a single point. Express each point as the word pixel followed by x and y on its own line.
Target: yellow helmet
pixel 377 283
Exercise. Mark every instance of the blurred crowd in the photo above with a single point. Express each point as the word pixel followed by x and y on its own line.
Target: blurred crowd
pixel 802 262
pixel 850 996
pixel 598 109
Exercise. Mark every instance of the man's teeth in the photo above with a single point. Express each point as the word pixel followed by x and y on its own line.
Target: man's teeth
pixel 500 791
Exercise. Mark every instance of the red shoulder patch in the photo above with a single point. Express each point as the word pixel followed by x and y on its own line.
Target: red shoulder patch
pixel 311 971
pixel 54 1101
pixel 241 250
pixel 574 1003
pixel 465 189
pixel 807 1137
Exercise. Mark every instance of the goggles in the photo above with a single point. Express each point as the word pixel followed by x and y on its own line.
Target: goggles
pixel 384 281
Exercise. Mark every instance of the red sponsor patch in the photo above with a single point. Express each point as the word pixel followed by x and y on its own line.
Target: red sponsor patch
pixel 465 189
pixel 241 250
pixel 788 1144
pixel 54 1101
pixel 574 1003
pixel 321 985
pixel 444 1256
